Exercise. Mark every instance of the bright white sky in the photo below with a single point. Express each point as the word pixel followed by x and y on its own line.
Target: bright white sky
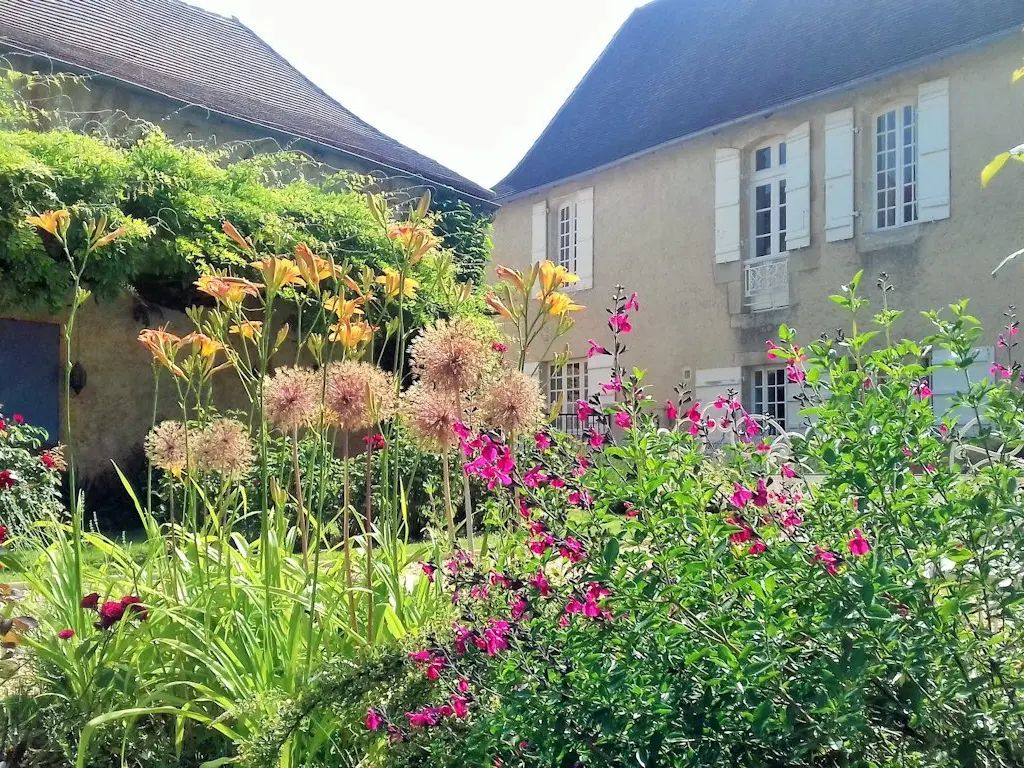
pixel 470 83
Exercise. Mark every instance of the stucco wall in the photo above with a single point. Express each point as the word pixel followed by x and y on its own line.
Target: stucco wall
pixel 654 228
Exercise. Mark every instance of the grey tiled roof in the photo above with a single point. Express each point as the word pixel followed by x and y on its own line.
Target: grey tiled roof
pixel 198 57
pixel 677 67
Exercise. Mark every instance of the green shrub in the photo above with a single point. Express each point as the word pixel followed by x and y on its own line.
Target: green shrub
pixel 29 476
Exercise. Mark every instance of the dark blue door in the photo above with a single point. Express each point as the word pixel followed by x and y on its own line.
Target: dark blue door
pixel 30 373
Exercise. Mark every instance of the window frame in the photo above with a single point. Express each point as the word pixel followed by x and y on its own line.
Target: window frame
pixel 774 176
pixel 566 250
pixel 780 384
pixel 898 131
pixel 558 378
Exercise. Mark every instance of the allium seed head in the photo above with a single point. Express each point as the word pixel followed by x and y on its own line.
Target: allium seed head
pixel 291 397
pixel 513 403
pixel 450 355
pixel 224 447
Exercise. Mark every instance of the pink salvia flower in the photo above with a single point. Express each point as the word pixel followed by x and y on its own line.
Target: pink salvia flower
pixel 540 583
pixel 632 305
pixel 623 420
pixel 595 438
pixel 740 496
pixel 373 720
pixel 459 706
pixel 595 349
pixel 571 550
pixel 542 441
pixel 757 548
pixel 858 544
pixel 620 323
pixel 671 412
pixel 787 471
pixel 760 498
pixel 573 606
pixel 583 410
pixel 518 608
pixel 792 519
pixel 615 385
pixel 462 685
pixel 922 390
pixel 827 558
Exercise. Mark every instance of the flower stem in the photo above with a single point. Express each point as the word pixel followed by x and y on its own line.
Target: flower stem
pixel 369 543
pixel 447 482
pixel 347 535
pixel 303 522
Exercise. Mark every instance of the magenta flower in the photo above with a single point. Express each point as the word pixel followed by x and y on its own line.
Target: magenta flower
pixel 763 447
pixel 595 349
pixel 745 534
pixel 595 438
pixel 66 634
pixel 462 430
pixel 631 511
pixel 428 570
pixel 540 583
pixel 90 601
pixel 583 410
pixel 462 636
pixel 795 374
pixel 694 414
pixel 632 305
pixel 827 558
pixel 110 612
pixel 424 718
pixel 572 550
pixel 787 471
pixel 573 606
pixel 542 441
pixel 615 385
pixel 757 548
pixel 518 608
pixel 774 350
pixel 462 685
pixel 459 706
pixel 540 545
pixel 1000 371
pixel 623 420
pixel 498 347
pixel 760 498
pixel 373 720
pixel 620 323
pixel 792 519
pixel 671 412
pixel 479 592
pixel 580 499
pixel 858 544
pixel 494 637
pixel 740 496
pixel 921 389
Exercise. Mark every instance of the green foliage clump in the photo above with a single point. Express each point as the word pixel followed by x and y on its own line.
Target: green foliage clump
pixel 29 476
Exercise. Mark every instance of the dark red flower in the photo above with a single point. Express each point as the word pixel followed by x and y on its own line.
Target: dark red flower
pixel 110 612
pixel 90 601
pixel 134 604
pixel 19 419
pixel 7 480
pixel 3 534
pixel 66 634
pixel 47 460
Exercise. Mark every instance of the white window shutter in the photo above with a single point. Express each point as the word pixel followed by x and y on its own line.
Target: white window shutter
pixel 933 150
pixel 798 187
pixel 540 231
pixel 795 421
pixel 585 238
pixel 948 382
pixel 727 205
pixel 839 175
pixel 599 371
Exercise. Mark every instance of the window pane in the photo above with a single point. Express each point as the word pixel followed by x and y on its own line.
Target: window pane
pixel 782 153
pixel 763 246
pixel 763 197
pixel 890 120
pixel 763 158
pixel 763 223
pixel 782 192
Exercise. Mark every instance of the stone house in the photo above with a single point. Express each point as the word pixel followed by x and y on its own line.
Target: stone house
pixel 734 163
pixel 199 77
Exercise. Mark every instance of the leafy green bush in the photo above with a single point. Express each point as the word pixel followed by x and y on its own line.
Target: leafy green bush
pixel 844 597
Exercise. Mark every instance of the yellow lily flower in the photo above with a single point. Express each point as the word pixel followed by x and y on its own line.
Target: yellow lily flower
pixel 554 276
pixel 164 347
pixel 278 272
pixel 392 281
pixel 557 304
pixel 495 303
pixel 248 329
pixel 343 308
pixel 351 335
pixel 203 344
pixel 312 268
pixel 230 290
pixel 513 276
pixel 54 222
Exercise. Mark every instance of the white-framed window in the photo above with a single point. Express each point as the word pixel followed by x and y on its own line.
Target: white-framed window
pixel 768 200
pixel 768 394
pixel 896 167
pixel 568 383
pixel 568 235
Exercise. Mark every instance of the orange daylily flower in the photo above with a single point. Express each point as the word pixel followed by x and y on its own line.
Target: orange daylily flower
pixel 416 240
pixel 229 230
pixel 230 290
pixel 392 282
pixel 494 303
pixel 344 308
pixel 54 222
pixel 514 276
pixel 203 344
pixel 351 335
pixel 312 268
pixel 557 304
pixel 554 276
pixel 278 272
pixel 164 347
pixel 247 329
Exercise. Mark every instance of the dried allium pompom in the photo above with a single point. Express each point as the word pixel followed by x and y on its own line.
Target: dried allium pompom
pixel 513 403
pixel 431 415
pixel 166 447
pixel 224 447
pixel 450 355
pixel 359 394
pixel 291 397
